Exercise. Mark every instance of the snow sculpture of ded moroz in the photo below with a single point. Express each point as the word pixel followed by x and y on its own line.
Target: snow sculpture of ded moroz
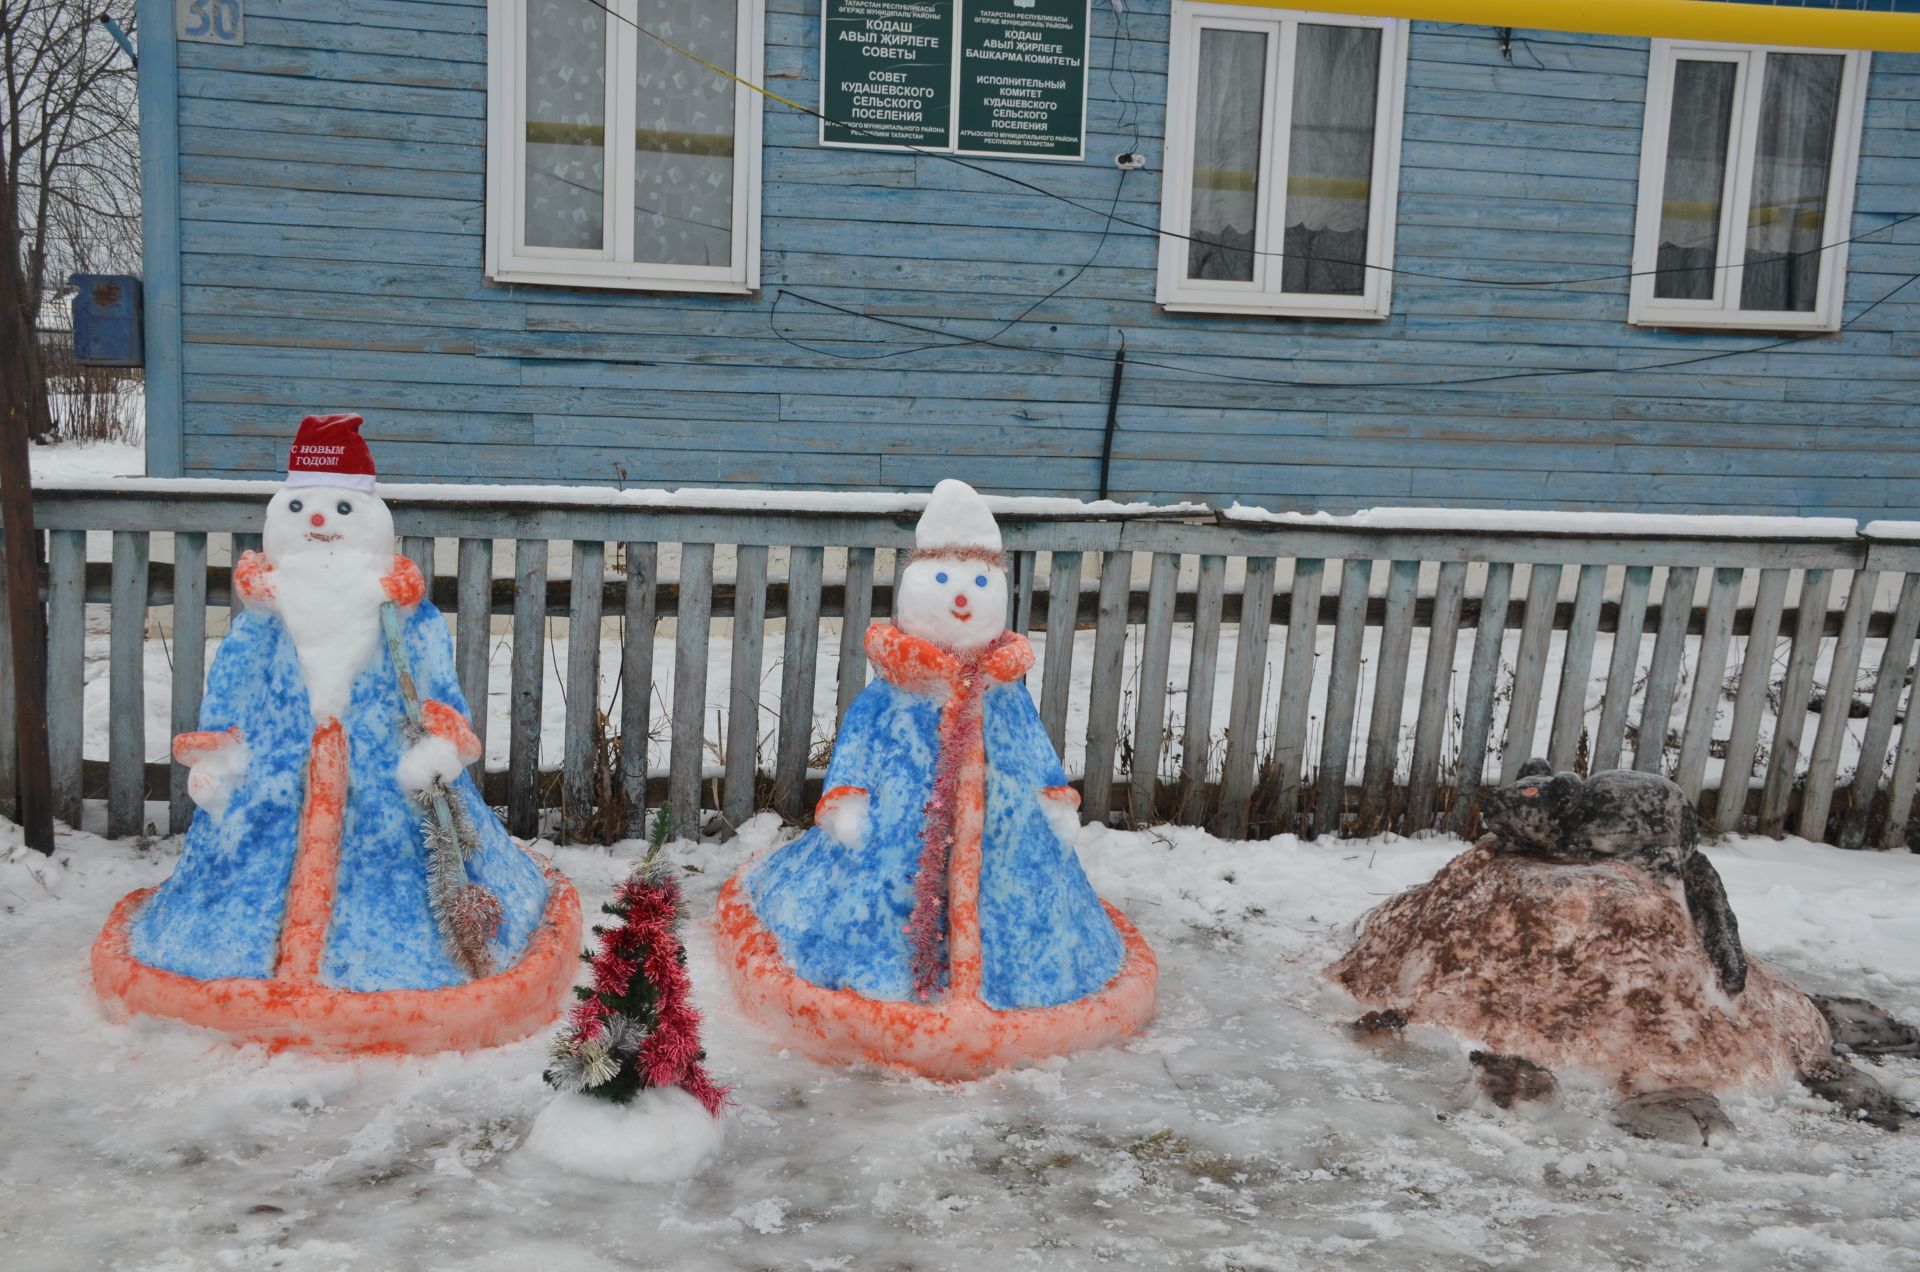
pixel 343 886
pixel 935 918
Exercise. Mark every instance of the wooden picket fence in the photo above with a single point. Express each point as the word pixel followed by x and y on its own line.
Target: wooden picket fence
pixel 1357 602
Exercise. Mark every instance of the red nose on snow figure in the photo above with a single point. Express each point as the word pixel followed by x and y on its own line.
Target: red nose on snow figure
pixel 936 918
pixel 343 885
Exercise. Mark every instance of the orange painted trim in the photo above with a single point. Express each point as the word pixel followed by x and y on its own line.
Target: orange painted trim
pixel 964 960
pixel 403 584
pixel 283 1015
pixel 442 721
pixel 837 793
pixel 190 748
pixel 316 862
pixel 1061 795
pixel 952 1040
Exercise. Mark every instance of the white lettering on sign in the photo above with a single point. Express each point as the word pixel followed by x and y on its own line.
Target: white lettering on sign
pixel 210 21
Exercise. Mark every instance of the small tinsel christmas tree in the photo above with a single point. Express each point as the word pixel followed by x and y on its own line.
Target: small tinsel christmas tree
pixel 634 1027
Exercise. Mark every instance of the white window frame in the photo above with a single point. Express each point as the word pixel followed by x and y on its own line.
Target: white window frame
pixel 1180 294
pixel 1644 308
pixel 511 260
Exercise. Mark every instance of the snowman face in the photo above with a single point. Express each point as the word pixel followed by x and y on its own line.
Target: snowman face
pixel 327 521
pixel 952 601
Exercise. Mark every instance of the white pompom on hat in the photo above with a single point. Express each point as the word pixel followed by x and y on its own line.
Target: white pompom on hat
pixel 957 522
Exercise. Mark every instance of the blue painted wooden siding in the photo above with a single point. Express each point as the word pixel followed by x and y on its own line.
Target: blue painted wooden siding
pixel 331 187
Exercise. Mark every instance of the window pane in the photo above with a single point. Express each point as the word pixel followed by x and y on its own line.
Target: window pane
pixel 1228 109
pixel 566 123
pixel 683 143
pixel 1697 137
pixel 1799 104
pixel 1336 82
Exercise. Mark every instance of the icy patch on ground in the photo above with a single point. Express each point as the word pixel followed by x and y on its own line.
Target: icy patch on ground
pixel 1243 1130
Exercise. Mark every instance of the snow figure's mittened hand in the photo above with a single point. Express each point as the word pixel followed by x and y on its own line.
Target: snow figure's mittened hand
pixel 1061 804
pixel 449 746
pixel 844 813
pixel 403 584
pixel 253 581
pixel 216 764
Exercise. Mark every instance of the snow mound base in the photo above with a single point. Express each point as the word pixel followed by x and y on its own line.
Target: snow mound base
pixel 1581 965
pixel 662 1134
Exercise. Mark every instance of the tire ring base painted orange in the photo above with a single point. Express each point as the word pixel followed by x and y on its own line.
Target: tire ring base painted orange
pixel 951 1040
pixel 285 1015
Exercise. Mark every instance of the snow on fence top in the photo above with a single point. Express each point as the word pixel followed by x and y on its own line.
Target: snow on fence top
pixel 800 503
pixel 1610 525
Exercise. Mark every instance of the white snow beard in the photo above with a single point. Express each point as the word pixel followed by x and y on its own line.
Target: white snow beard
pixel 330 603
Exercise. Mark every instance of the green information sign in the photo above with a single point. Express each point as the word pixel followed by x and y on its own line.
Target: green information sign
pixel 1023 78
pixel 890 77
pixel 886 73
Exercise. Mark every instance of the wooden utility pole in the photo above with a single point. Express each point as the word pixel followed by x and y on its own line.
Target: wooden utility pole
pixel 23 410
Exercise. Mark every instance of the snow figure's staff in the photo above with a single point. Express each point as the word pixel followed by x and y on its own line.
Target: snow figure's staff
pixel 467 913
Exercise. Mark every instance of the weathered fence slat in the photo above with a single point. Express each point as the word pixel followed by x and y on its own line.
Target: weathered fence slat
pixel 1476 716
pixel 578 796
pixel 1808 631
pixel 1900 788
pixel 529 676
pixel 1435 693
pixel 1896 658
pixel 1197 735
pixel 1103 705
pixel 900 558
pixel 796 681
pixel 1710 666
pixel 1245 707
pixel 66 668
pixel 1056 679
pixel 1630 627
pixel 856 616
pixel 1663 676
pixel 1389 693
pixel 472 636
pixel 636 680
pixel 1024 565
pixel 1576 665
pixel 418 548
pixel 1149 720
pixel 1823 764
pixel 127 687
pixel 1530 669
pixel 1343 695
pixel 9 717
pixel 1296 689
pixel 1756 672
pixel 688 747
pixel 189 661
pixel 743 684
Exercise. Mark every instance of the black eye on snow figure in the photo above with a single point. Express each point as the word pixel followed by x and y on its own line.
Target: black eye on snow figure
pixel 295 506
pixel 343 507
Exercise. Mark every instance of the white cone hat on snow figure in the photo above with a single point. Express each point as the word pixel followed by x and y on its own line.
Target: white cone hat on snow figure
pixel 343 885
pixel 936 918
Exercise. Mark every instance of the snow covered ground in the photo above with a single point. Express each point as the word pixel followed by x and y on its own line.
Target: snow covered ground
pixel 1243 1131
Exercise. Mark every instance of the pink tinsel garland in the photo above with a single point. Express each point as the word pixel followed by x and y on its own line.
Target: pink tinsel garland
pixel 927 925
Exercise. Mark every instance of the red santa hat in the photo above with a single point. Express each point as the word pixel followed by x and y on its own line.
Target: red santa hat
pixel 329 451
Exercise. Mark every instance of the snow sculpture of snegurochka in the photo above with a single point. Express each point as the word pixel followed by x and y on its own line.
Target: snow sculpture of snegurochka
pixel 935 918
pixel 343 886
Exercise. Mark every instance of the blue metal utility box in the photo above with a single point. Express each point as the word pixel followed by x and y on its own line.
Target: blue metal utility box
pixel 107 321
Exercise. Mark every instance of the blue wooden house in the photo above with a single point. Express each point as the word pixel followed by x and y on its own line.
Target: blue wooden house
pixel 1304 258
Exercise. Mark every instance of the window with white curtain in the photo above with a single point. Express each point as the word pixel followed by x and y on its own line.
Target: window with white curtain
pixel 615 161
pixel 1282 157
pixel 1746 186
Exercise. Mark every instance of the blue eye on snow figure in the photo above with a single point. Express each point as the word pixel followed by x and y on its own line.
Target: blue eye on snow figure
pixel 979 580
pixel 940 577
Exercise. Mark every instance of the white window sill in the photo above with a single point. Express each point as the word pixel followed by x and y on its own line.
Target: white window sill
pixel 1724 320
pixel 1269 310
pixel 617 282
